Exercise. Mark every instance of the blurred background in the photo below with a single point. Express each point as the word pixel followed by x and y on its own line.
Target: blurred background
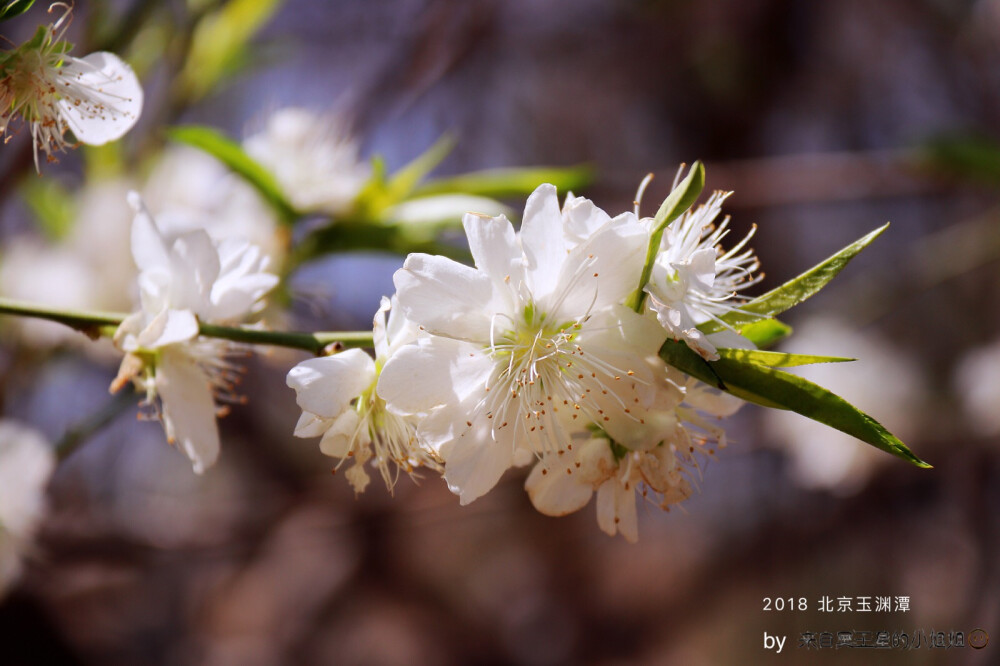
pixel 827 119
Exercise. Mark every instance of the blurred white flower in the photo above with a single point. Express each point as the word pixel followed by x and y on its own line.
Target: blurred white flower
pixel 26 463
pixel 189 189
pixel 977 383
pixel 313 157
pixel 52 276
pixel 97 97
pixel 339 402
pixel 884 380
pixel 185 279
pixel 694 281
pixel 531 345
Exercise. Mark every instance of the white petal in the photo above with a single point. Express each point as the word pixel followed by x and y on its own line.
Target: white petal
pixel 473 465
pixel 194 268
pixel 606 507
pixel 582 218
pixel 445 297
pixel 325 386
pixel 601 272
pixel 149 248
pixel 553 491
pixel 628 521
pixel 340 438
pixel 497 253
pixel 168 327
pixel 701 270
pixel 103 98
pixel 188 408
pixel 432 372
pixel 543 241
pixel 443 208
pixel 310 425
pixel 379 330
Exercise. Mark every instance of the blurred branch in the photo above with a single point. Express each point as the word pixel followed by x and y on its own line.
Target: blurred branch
pixel 77 435
pixel 824 177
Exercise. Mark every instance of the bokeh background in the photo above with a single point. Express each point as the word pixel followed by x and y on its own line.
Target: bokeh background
pixel 826 118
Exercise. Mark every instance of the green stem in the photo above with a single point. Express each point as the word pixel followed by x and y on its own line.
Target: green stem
pixel 97 324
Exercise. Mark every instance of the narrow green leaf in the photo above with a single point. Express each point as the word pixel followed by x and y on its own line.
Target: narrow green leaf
pixel 679 200
pixel 796 290
pixel 382 192
pixel 499 183
pixel 774 388
pixel 232 155
pixel 15 8
pixel 765 332
pixel 682 357
pixel 220 43
pixel 777 359
pixel 404 181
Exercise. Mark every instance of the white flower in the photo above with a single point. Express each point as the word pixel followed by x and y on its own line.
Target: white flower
pixel 313 157
pixel 563 481
pixel 616 475
pixel 189 189
pixel 339 402
pixel 531 345
pixel 694 281
pixel 183 280
pixel 97 97
pixel 26 463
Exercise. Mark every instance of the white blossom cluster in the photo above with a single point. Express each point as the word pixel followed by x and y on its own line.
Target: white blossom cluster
pixel 532 357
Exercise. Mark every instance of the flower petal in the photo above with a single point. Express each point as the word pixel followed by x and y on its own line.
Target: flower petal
pixel 475 463
pixel 445 297
pixel 543 241
pixel 325 386
pixel 432 372
pixel 167 328
pixel 554 492
pixel 102 97
pixel 497 253
pixel 188 408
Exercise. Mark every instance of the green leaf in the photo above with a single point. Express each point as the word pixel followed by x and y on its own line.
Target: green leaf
pixel 514 182
pixel 765 332
pixel 774 388
pixel 219 44
pixel 15 8
pixel 233 156
pixel 382 191
pixel 777 359
pixel 685 359
pixel 404 181
pixel 679 200
pixel 796 290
